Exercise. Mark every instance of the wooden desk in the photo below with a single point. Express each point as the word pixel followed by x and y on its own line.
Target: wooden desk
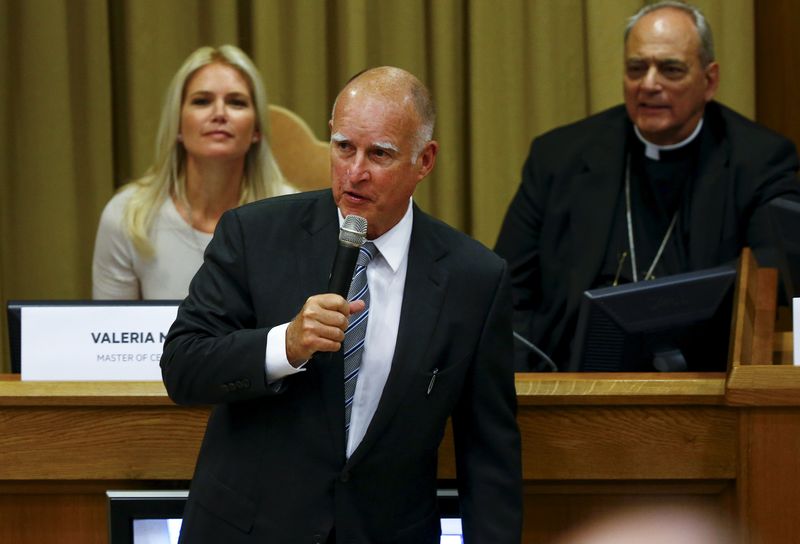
pixel 589 442
pixel 62 445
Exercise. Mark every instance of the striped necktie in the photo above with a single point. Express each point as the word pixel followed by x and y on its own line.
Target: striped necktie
pixel 353 345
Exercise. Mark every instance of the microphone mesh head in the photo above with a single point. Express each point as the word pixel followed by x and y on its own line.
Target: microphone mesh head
pixel 353 231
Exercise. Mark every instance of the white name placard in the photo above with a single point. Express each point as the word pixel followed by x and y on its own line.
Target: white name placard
pixel 93 343
pixel 796 335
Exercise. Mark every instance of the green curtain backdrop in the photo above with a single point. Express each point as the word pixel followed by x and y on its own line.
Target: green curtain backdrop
pixel 81 84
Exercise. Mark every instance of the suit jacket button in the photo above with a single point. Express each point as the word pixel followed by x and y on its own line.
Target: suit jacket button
pixel 344 477
pixel 317 539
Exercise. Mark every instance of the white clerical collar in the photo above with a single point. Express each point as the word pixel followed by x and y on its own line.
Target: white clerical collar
pixel 393 244
pixel 653 151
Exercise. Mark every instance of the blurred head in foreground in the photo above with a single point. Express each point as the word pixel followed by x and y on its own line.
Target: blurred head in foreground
pixel 673 524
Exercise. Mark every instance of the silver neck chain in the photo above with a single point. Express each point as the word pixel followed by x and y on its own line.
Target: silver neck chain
pixel 628 214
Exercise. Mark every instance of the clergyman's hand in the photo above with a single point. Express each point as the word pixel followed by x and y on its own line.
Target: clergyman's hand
pixel 319 326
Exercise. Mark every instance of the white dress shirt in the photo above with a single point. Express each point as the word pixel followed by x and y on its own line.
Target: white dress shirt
pixel 386 277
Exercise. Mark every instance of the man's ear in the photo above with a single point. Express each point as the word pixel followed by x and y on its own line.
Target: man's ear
pixel 712 80
pixel 427 158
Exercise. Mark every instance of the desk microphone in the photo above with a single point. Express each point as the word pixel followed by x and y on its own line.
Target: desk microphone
pixel 352 236
pixel 532 347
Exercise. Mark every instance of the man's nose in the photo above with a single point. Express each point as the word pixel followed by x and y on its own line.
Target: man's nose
pixel 358 169
pixel 651 80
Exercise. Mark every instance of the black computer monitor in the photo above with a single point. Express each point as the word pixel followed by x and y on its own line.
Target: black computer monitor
pixel 674 323
pixel 136 517
pixel 14 313
pixel 154 517
pixel 785 225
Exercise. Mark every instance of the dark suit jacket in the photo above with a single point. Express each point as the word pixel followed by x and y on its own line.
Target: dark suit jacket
pixel 272 466
pixel 557 228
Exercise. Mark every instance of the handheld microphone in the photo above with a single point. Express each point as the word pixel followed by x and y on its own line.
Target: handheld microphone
pixel 352 236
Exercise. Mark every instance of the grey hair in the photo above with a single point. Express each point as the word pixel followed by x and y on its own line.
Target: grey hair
pixel 423 103
pixel 701 24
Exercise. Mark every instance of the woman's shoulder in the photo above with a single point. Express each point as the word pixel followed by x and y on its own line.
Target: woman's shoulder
pixel 116 205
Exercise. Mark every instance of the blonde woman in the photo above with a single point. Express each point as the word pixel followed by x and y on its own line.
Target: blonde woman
pixel 212 154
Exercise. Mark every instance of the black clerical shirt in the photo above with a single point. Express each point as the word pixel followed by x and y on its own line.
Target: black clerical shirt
pixel 660 188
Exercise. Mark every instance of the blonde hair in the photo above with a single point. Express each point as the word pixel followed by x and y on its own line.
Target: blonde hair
pixel 261 177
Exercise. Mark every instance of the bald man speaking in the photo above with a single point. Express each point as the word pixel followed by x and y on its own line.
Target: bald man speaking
pixel 328 411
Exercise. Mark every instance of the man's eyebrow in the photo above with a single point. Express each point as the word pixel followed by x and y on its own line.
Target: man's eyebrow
pixel 671 61
pixel 338 137
pixel 655 60
pixel 386 145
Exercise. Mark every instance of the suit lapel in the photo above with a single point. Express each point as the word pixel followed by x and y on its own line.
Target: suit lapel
pixel 594 198
pixel 315 256
pixel 425 286
pixel 708 197
pixel 317 246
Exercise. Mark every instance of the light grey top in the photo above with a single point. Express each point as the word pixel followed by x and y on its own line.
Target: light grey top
pixel 120 272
